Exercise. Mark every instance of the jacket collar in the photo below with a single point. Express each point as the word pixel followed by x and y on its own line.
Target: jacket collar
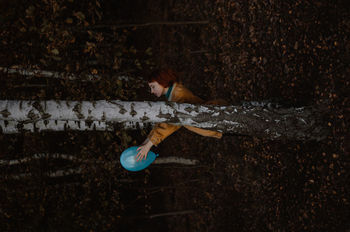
pixel 168 94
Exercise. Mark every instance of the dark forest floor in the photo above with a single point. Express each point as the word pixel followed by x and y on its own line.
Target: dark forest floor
pixel 295 53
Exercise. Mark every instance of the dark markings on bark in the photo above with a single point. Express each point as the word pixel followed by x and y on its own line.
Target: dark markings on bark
pixel 202 117
pixel 39 108
pixel 121 107
pixel 67 103
pixel 196 108
pixel 180 115
pixel 45 116
pixel 89 121
pixel 109 124
pixel 132 111
pixel 5 113
pixel 188 109
pixel 144 118
pixel 122 110
pixel 175 120
pixel 166 116
pixel 32 116
pixel 77 110
pixel 169 104
pixel 20 126
pixel 103 117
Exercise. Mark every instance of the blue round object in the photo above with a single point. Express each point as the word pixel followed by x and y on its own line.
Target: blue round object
pixel 129 162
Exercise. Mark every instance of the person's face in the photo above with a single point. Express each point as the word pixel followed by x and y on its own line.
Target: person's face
pixel 156 88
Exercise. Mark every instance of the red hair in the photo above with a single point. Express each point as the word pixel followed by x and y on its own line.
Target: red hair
pixel 164 77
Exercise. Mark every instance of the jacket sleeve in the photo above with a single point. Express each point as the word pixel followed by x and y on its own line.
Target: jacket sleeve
pixel 161 131
pixel 204 132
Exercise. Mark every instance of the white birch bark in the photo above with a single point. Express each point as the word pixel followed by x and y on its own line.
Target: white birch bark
pixel 302 123
pixel 13 127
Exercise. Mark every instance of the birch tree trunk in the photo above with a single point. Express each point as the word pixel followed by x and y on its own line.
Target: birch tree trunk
pixel 303 123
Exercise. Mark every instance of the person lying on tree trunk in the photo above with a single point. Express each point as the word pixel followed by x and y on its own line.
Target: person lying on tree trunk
pixel 165 82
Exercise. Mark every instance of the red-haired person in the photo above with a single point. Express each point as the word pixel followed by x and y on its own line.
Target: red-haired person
pixel 166 83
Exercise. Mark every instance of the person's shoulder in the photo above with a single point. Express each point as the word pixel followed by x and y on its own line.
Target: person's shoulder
pixel 177 92
pixel 179 87
pixel 181 94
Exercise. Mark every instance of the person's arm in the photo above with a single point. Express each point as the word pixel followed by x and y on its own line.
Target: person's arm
pixel 161 131
pixel 144 149
pixel 156 136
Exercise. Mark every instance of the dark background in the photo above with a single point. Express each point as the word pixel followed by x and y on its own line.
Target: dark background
pixel 292 52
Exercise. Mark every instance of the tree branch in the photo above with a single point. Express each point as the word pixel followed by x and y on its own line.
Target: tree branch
pixel 178 23
pixel 59 75
pixel 175 213
pixel 160 160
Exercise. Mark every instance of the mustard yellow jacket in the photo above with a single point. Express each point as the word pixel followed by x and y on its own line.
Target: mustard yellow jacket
pixel 181 94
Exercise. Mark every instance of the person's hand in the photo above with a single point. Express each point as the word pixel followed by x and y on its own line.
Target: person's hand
pixel 143 151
